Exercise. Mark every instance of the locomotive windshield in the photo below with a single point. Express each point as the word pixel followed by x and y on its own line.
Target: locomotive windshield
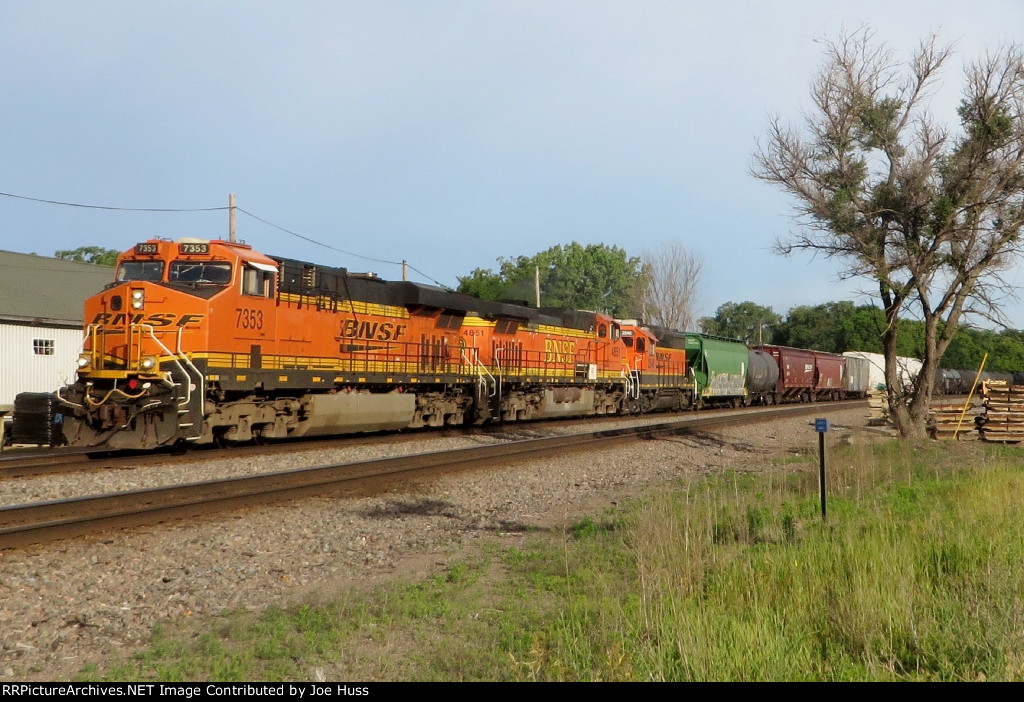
pixel 201 272
pixel 141 270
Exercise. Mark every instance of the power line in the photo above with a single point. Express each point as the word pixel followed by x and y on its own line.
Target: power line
pixel 335 248
pixel 220 209
pixel 314 241
pixel 106 207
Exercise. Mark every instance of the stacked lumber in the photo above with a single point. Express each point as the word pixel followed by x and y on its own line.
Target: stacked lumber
pixel 1003 417
pixel 952 422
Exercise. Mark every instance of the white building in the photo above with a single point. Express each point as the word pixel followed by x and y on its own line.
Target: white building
pixel 41 306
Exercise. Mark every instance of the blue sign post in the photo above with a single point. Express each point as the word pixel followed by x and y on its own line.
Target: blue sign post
pixel 821 426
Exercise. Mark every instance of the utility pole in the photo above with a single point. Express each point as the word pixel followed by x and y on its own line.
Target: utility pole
pixel 405 270
pixel 536 283
pixel 231 217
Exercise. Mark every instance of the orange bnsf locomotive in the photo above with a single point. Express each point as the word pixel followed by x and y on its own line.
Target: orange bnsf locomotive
pixel 210 341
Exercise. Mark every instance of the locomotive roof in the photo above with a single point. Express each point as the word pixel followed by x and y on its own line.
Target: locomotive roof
pixel 370 288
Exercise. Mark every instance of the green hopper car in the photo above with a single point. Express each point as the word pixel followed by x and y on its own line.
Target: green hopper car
pixel 719 366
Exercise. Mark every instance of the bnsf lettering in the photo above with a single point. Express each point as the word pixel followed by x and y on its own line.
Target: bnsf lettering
pixel 158 319
pixel 556 351
pixel 372 331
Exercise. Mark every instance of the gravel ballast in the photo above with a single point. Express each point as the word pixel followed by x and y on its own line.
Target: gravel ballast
pixel 91 600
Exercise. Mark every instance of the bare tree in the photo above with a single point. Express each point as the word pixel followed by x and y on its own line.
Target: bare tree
pixel 670 284
pixel 929 214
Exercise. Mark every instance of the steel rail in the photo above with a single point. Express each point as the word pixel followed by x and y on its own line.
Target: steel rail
pixel 22 525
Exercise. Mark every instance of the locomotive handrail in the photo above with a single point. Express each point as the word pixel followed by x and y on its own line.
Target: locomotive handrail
pixel 632 377
pixel 67 401
pixel 172 355
pixel 497 365
pixel 177 356
pixel 483 375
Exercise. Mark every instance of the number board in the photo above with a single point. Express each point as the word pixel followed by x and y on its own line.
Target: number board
pixel 194 248
pixel 147 249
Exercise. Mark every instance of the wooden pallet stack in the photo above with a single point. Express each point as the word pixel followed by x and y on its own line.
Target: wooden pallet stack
pixel 950 422
pixel 1003 417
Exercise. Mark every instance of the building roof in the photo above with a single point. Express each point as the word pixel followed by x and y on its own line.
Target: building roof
pixel 42 290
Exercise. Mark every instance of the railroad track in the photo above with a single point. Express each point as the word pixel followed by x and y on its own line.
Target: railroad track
pixel 58 461
pixel 22 525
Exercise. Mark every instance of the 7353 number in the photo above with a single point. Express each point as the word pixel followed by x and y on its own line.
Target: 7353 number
pixel 249 318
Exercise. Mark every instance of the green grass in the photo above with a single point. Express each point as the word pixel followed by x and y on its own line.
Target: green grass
pixel 918 574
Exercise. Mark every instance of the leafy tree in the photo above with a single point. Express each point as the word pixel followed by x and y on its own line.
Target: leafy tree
pixel 749 321
pixel 842 326
pixel 595 277
pixel 90 254
pixel 1005 350
pixel 484 284
pixel 671 279
pixel 829 327
pixel 929 215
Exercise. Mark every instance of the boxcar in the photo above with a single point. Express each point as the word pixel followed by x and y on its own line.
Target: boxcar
pixel 857 381
pixel 907 369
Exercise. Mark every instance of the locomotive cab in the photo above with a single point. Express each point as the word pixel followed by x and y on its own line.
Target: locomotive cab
pixel 656 374
pixel 142 370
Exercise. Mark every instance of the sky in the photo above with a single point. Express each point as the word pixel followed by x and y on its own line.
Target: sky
pixel 447 134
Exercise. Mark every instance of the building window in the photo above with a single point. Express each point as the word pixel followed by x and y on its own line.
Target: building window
pixel 42 347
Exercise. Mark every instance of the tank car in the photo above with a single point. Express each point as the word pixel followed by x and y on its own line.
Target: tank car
pixel 211 341
pixel 762 377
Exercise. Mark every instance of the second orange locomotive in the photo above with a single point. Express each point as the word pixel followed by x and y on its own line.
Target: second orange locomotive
pixel 209 341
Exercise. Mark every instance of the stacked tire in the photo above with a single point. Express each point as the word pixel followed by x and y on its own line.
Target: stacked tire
pixel 37 420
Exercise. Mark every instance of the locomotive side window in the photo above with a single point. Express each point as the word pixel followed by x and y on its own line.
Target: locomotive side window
pixel 258 280
pixel 201 272
pixel 641 345
pixel 449 320
pixel 506 326
pixel 602 331
pixel 140 270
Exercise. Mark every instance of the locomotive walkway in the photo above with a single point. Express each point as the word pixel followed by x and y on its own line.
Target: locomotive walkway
pixel 22 525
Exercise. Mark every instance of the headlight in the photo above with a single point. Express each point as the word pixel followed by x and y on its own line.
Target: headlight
pixel 148 363
pixel 138 298
pixel 84 361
